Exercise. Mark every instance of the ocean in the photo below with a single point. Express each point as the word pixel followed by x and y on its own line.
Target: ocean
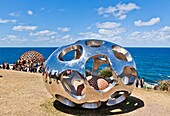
pixel 153 64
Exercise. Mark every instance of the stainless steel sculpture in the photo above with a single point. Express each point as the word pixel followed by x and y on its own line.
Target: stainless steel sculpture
pixel 69 80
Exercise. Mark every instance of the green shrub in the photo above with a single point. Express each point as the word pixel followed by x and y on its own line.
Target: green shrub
pixel 105 72
pixel 164 85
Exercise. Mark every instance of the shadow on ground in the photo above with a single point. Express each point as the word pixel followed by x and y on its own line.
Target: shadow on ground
pixel 130 104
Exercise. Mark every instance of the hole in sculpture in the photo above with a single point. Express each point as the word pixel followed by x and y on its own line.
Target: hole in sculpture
pixel 73 83
pixel 92 105
pixel 94 43
pixel 129 75
pixel 117 97
pixel 65 101
pixel 71 53
pixel 121 53
pixel 117 94
pixel 99 73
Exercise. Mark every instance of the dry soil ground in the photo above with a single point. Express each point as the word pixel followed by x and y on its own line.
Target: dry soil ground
pixel 24 94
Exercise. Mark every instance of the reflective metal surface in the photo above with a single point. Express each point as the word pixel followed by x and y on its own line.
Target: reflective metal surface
pixel 67 77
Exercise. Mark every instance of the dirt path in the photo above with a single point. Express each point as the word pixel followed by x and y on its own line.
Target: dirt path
pixel 24 94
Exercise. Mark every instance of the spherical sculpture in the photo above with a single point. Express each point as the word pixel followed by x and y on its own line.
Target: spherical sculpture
pixel 32 56
pixel 89 73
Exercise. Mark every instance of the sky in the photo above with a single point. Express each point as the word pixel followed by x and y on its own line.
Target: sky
pixel 54 23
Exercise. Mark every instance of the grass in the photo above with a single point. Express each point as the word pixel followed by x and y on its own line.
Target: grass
pixel 50 109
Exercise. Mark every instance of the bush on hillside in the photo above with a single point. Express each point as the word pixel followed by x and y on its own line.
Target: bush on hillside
pixel 164 85
pixel 106 72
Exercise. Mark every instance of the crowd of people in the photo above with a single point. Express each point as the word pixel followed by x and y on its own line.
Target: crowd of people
pixel 25 65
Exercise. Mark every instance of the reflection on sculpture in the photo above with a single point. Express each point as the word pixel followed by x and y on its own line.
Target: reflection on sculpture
pixel 74 74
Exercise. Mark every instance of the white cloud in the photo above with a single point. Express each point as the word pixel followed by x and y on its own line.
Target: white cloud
pixel 152 38
pixel 30 12
pixel 67 37
pixel 56 39
pixel 12 38
pixel 111 32
pixel 106 31
pixel 63 40
pixel 43 33
pixel 63 29
pixel 165 29
pixel 108 25
pixel 40 39
pixel 151 22
pixel 24 28
pixel 7 21
pixel 52 37
pixel 120 10
pixel 122 17
pixel 114 39
pixel 14 14
pixel 90 35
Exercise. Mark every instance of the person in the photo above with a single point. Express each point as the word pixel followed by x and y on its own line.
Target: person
pixel 137 82
pixel 24 62
pixel 142 82
pixel 24 68
pixel 34 67
pixel 56 75
pixel 40 69
pixel 14 66
pixel 31 67
pixel 7 66
pixel 19 67
pixel 3 66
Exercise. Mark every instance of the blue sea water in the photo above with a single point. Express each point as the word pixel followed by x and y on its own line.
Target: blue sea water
pixel 11 55
pixel 153 64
